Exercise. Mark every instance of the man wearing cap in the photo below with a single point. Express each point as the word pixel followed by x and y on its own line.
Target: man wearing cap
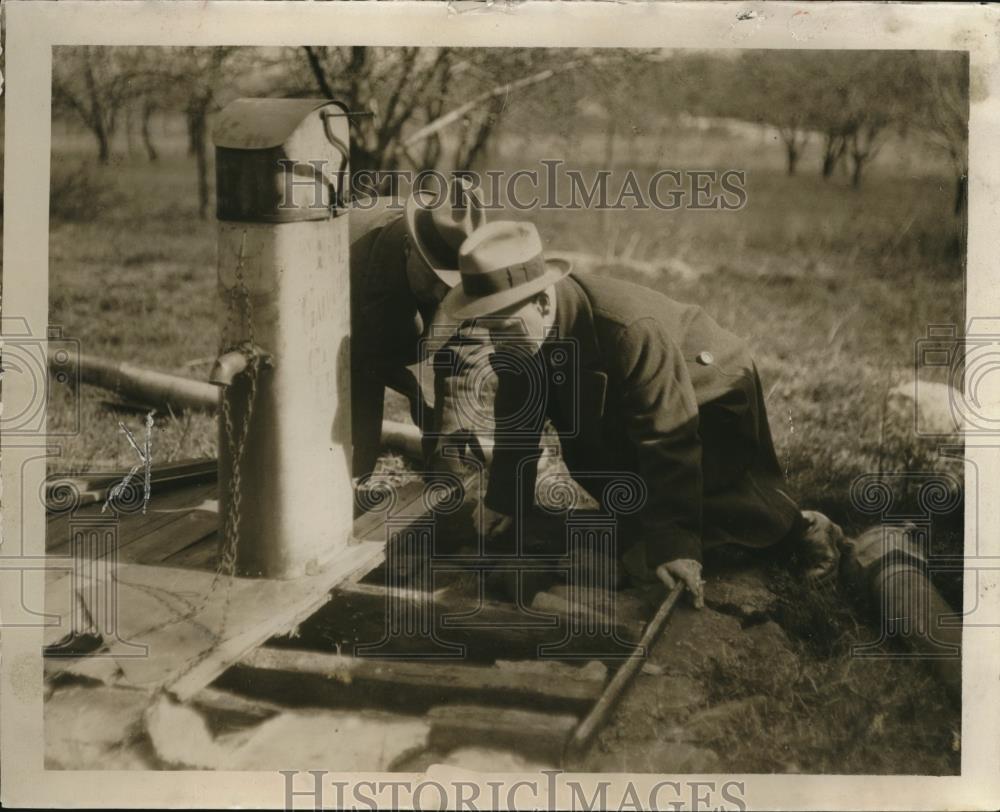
pixel 402 265
pixel 656 388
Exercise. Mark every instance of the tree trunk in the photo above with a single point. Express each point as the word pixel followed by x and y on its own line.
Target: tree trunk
pixel 103 143
pixel 794 141
pixel 832 153
pixel 147 137
pixel 129 135
pixel 192 131
pixel 792 151
pixel 961 192
pixel 96 115
pixel 197 119
pixel 856 169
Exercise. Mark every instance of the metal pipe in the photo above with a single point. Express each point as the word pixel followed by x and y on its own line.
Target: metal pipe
pixel 888 565
pixel 140 384
pixel 227 366
pixel 165 390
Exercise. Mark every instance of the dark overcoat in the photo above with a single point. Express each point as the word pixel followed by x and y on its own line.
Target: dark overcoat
pixel 658 389
pixel 386 322
pixel 387 328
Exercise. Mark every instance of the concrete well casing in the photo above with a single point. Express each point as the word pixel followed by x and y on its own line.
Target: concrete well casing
pixel 295 488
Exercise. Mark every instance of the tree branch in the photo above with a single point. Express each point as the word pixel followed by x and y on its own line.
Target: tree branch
pixel 318 72
pixel 500 90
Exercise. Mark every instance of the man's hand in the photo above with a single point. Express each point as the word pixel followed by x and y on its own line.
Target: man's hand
pixel 495 526
pixel 688 571
pixel 820 548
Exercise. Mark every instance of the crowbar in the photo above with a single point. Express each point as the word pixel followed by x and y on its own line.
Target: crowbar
pixel 598 715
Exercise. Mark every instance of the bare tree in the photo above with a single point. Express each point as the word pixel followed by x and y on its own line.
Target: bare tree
pixel 187 80
pixel 95 84
pixel 391 85
pixel 944 113
pixel 875 99
pixel 430 106
pixel 198 73
pixel 770 89
pixel 149 107
pixel 834 149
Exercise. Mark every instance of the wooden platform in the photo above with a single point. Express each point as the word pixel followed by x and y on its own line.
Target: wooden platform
pixel 147 583
pixel 151 615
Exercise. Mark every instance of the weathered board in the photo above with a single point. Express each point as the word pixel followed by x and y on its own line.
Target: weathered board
pixel 332 680
pixel 375 620
pixel 533 734
pixel 179 628
pixel 149 587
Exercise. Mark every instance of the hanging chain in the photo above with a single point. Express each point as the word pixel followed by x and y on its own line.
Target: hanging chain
pixel 236 436
pixel 235 439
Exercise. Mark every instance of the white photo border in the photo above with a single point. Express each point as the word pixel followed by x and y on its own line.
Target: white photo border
pixel 34 27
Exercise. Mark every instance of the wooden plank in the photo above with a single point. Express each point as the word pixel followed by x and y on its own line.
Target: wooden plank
pixel 160 544
pixel 370 526
pixel 201 554
pixel 370 619
pixel 308 678
pixel 198 497
pixel 535 735
pixel 224 710
pixel 190 632
pixel 264 612
pixel 163 508
pixel 165 528
pixel 163 476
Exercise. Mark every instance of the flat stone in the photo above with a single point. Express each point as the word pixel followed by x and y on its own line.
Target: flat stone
pixel 595 670
pixel 744 593
pixel 489 759
pixel 93 728
pixel 340 741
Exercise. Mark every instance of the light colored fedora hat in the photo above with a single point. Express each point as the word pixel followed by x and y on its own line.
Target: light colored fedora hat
pixel 437 227
pixel 501 265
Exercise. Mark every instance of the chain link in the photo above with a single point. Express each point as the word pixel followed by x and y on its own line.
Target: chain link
pixel 236 436
pixel 235 439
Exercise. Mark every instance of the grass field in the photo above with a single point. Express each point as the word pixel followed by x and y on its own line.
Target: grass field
pixel 831 286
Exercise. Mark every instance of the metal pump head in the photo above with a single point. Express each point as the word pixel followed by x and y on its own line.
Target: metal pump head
pixel 227 366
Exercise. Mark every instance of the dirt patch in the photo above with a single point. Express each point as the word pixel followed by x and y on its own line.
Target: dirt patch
pixel 763 680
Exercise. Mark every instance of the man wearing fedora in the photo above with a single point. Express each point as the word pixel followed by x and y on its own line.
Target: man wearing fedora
pixel 656 389
pixel 402 265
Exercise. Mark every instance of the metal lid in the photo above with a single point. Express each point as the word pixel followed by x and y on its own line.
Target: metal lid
pixel 263 123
